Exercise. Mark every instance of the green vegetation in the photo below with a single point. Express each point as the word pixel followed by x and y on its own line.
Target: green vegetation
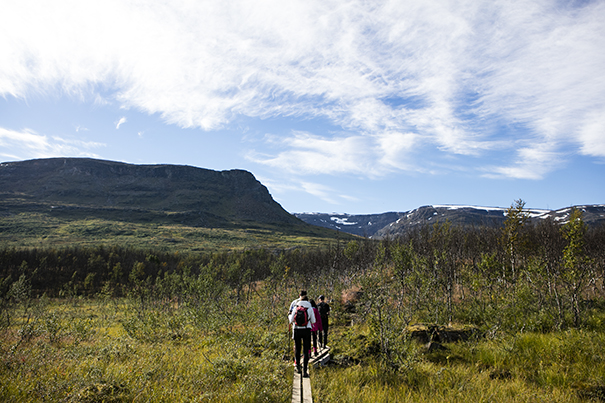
pixel 112 351
pixel 441 314
pixel 80 202
pixel 164 232
pixel 566 366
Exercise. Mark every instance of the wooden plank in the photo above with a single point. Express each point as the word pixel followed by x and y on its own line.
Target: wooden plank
pixel 306 390
pixel 301 387
pixel 320 353
pixel 322 358
pixel 297 388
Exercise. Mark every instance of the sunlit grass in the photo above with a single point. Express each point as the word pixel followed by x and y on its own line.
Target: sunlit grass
pixel 89 354
pixel 556 367
pixel 27 230
pixel 114 350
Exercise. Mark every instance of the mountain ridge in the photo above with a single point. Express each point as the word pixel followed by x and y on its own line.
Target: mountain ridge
pixel 62 202
pixel 77 188
pixel 215 197
pixel 392 224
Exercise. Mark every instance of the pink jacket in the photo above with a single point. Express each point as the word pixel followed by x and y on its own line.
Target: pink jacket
pixel 317 326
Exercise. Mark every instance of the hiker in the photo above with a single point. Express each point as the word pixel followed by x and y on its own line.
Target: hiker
pixel 295 302
pixel 302 318
pixel 292 306
pixel 324 311
pixel 316 327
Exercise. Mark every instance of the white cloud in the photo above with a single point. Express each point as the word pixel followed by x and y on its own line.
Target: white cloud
pixel 395 75
pixel 27 144
pixel 310 154
pixel 323 192
pixel 394 147
pixel 372 156
pixel 120 122
pixel 320 191
pixel 533 162
pixel 592 134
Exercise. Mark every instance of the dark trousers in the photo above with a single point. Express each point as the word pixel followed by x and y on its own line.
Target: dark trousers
pixel 323 335
pixel 302 336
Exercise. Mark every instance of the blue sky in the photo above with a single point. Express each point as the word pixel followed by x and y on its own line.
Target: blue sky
pixel 336 106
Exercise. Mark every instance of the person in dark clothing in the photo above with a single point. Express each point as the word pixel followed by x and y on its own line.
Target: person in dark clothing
pixel 324 312
pixel 316 328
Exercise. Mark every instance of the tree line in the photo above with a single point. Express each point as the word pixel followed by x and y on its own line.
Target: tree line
pixel 521 276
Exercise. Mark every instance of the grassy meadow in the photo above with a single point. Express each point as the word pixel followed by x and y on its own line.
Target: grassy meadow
pixel 529 367
pixel 114 351
pixel 45 230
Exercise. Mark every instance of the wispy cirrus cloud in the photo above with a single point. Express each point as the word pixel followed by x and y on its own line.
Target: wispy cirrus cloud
pixel 318 190
pixel 396 77
pixel 321 191
pixel 305 153
pixel 27 144
pixel 120 122
pixel 532 162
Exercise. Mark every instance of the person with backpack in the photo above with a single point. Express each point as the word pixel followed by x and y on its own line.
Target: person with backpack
pixel 292 306
pixel 296 301
pixel 302 318
pixel 324 312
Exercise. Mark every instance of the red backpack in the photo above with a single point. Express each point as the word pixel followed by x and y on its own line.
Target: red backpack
pixel 300 317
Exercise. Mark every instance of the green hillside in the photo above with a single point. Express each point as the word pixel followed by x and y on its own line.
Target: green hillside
pixel 73 201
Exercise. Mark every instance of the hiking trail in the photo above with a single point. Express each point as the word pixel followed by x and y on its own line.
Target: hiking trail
pixel 301 387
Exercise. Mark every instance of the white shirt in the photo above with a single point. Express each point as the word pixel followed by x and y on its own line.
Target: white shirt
pixel 293 304
pixel 310 314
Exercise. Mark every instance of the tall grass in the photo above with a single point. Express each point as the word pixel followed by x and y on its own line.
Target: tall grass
pixel 117 350
pixel 556 367
pixel 90 353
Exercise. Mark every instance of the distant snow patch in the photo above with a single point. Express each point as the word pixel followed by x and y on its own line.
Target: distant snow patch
pixel 533 213
pixel 454 207
pixel 538 213
pixel 342 221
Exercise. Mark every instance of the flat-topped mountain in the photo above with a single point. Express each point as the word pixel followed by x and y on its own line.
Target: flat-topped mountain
pixel 395 223
pixel 201 197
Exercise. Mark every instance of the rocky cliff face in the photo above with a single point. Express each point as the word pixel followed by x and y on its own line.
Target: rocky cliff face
pixel 81 183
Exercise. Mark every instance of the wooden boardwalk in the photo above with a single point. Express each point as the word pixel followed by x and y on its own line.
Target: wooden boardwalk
pixel 301 387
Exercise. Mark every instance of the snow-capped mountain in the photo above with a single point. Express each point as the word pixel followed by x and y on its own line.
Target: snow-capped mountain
pixel 364 225
pixel 394 223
